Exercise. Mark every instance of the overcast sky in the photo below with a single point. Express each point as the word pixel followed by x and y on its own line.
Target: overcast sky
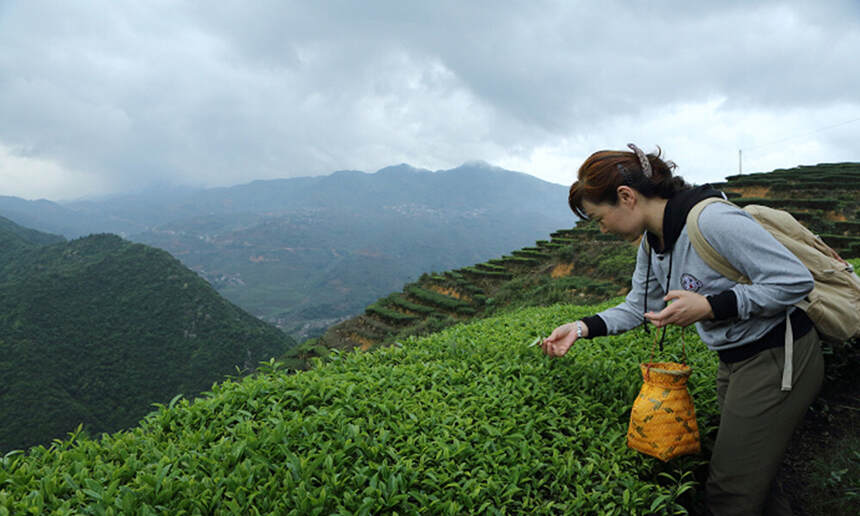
pixel 110 96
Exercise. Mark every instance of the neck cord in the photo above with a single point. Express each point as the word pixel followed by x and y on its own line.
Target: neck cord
pixel 647 281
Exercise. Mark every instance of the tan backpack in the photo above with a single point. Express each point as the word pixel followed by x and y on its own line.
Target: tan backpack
pixel 834 303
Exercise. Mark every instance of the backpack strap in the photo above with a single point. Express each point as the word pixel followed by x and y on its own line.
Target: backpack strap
pixel 717 262
pixel 704 249
pixel 787 366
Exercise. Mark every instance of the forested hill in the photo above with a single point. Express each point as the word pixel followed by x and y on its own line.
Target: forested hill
pixel 97 329
pixel 14 238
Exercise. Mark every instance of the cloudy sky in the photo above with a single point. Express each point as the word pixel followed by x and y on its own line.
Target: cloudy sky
pixel 110 96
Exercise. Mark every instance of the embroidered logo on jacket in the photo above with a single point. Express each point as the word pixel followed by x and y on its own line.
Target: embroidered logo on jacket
pixel 689 282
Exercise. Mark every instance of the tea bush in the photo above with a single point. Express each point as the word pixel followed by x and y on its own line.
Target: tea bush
pixel 391 315
pixel 401 302
pixel 468 420
pixel 434 298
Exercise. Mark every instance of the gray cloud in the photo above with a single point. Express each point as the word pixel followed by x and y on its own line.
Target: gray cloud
pixel 120 95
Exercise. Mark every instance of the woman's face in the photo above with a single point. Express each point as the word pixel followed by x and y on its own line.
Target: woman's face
pixel 620 219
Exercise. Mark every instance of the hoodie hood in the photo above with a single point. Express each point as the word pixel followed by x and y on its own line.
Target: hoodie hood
pixel 675 215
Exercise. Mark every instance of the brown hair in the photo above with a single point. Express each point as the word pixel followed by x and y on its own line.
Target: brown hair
pixel 604 171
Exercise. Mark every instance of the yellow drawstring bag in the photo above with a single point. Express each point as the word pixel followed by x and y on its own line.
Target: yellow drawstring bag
pixel 663 419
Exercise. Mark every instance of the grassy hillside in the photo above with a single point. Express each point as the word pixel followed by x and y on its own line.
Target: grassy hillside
pixel 580 265
pixel 94 330
pixel 469 420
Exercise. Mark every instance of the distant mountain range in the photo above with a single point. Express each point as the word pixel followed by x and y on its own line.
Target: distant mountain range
pixel 97 329
pixel 308 252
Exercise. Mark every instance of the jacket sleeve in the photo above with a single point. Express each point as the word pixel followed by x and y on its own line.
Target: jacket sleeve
pixel 630 313
pixel 777 278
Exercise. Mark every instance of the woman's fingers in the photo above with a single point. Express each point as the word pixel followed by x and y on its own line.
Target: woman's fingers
pixel 551 349
pixel 687 308
pixel 659 319
pixel 557 344
pixel 549 346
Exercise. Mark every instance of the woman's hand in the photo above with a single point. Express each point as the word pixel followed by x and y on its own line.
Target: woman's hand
pixel 686 308
pixel 562 338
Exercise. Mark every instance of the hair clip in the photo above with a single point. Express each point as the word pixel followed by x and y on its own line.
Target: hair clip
pixel 643 160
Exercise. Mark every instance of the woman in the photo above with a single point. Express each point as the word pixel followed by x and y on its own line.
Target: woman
pixel 633 195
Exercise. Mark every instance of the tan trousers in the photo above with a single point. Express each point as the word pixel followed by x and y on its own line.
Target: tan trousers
pixel 757 420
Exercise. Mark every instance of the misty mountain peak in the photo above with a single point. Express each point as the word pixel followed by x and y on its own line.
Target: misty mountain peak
pixel 342 174
pixel 401 169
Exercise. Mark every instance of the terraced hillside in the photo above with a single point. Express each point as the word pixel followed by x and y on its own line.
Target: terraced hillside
pixel 580 265
pixel 576 265
pixel 825 198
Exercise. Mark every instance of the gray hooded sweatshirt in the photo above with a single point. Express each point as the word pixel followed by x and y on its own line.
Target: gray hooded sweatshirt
pixel 743 313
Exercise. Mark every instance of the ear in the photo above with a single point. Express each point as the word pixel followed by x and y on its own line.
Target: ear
pixel 626 196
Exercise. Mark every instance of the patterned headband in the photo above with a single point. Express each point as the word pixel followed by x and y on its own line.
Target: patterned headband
pixel 643 160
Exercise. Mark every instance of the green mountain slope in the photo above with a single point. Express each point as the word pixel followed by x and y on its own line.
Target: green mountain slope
pixel 94 330
pixel 15 239
pixel 10 232
pixel 469 420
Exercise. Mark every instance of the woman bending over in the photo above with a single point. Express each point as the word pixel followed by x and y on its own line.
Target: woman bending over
pixel 635 195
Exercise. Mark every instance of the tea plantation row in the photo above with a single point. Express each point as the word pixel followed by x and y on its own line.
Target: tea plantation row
pixel 466 420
